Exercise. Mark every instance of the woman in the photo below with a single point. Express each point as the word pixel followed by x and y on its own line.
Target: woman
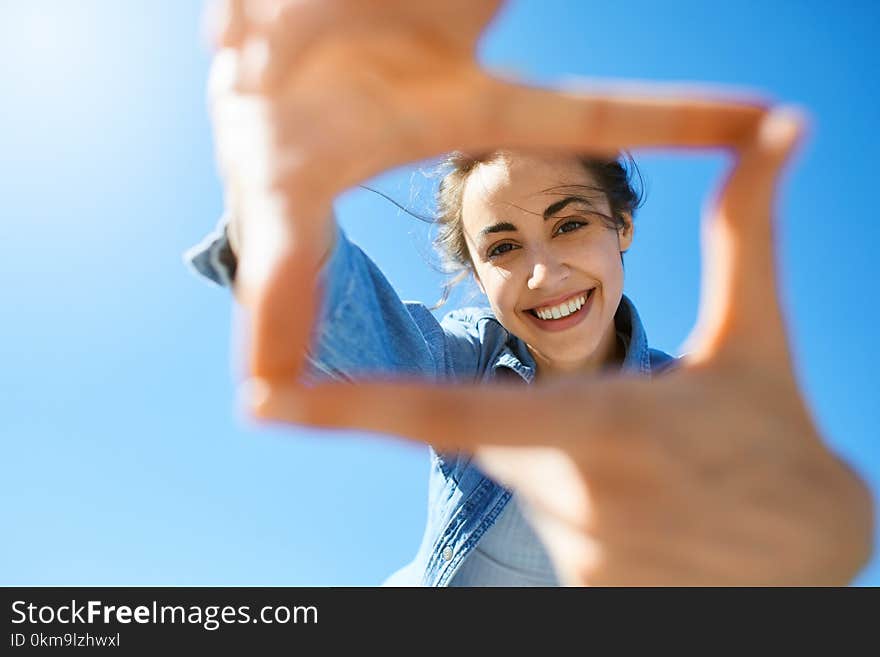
pixel 543 236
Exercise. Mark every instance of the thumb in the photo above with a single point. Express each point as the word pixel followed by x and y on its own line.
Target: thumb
pixel 445 415
pixel 276 281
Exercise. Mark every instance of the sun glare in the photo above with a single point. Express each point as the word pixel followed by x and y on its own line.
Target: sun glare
pixel 45 46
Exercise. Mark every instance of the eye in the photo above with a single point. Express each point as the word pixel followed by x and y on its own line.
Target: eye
pixel 571 226
pixel 500 250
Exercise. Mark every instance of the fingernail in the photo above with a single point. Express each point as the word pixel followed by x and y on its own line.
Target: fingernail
pixel 785 126
pixel 254 397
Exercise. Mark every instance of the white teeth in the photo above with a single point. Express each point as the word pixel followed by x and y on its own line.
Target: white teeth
pixel 564 309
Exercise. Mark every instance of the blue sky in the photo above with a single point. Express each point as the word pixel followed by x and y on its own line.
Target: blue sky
pixel 122 458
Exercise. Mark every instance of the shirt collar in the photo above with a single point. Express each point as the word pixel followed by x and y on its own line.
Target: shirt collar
pixel 516 356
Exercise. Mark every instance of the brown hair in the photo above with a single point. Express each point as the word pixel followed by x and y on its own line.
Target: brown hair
pixel 614 178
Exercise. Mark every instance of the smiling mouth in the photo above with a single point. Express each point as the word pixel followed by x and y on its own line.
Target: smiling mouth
pixel 564 309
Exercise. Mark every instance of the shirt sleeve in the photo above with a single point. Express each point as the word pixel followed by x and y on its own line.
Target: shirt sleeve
pixel 364 329
pixel 212 258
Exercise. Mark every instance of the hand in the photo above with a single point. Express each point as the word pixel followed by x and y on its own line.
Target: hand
pixel 310 97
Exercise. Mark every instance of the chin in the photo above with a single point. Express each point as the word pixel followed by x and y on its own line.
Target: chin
pixel 569 352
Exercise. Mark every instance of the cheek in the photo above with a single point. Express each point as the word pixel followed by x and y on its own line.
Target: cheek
pixel 599 259
pixel 501 287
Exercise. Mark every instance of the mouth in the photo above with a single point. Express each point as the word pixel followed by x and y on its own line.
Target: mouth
pixel 565 314
pixel 567 307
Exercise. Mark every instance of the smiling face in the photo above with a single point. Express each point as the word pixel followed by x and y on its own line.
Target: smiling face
pixel 545 252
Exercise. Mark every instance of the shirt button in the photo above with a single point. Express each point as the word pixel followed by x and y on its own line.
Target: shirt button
pixel 447 553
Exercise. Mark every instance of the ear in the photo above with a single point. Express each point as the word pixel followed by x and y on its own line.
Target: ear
pixel 625 233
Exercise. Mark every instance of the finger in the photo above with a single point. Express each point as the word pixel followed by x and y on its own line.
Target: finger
pixel 740 314
pixel 277 34
pixel 613 118
pixel 256 60
pixel 448 417
pixel 221 77
pixel 236 26
pixel 224 23
pixel 292 29
pixel 236 71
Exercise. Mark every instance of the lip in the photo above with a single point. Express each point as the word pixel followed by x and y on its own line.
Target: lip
pixel 557 300
pixel 575 318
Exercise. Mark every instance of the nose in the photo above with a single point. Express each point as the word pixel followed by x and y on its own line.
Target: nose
pixel 547 272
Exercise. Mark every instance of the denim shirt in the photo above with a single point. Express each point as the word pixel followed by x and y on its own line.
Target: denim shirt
pixel 364 329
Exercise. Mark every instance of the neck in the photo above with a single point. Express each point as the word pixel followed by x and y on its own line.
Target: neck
pixel 608 355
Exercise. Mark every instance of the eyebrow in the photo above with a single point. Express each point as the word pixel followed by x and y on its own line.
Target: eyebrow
pixel 552 209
